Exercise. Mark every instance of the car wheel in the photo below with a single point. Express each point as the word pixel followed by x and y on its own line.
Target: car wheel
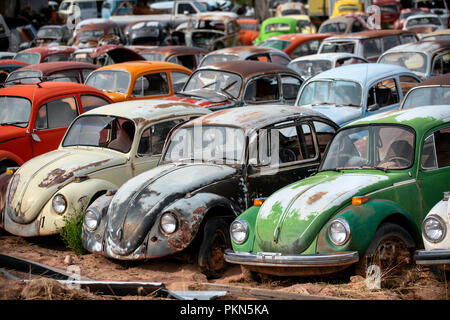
pixel 214 243
pixel 388 256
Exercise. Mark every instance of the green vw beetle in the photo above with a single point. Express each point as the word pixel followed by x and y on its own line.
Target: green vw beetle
pixel 364 208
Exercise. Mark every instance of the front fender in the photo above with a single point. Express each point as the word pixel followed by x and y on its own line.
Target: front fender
pixel 4 181
pixel 248 216
pixel 6 155
pixel 364 221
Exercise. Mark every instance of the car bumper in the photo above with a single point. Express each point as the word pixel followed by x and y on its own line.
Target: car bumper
pixel 432 257
pixel 307 264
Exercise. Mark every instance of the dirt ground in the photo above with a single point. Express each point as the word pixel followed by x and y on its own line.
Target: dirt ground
pixel 420 283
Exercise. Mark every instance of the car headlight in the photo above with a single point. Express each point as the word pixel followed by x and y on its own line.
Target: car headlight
pixel 239 231
pixel 168 222
pixel 91 219
pixel 434 229
pixel 59 204
pixel 339 231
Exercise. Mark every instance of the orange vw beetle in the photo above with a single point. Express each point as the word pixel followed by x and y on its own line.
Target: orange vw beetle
pixel 139 79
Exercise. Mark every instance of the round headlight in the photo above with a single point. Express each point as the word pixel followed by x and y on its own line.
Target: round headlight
pixel 59 204
pixel 169 222
pixel 339 231
pixel 239 231
pixel 434 229
pixel 91 219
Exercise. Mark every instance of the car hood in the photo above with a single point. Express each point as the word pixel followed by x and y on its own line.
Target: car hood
pixel 339 114
pixel 41 177
pixel 137 204
pixel 207 100
pixel 291 218
pixel 11 132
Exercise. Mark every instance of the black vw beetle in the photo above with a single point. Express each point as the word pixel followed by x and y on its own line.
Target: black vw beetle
pixel 212 169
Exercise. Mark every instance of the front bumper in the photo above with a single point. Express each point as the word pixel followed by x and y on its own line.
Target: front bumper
pixel 432 257
pixel 306 264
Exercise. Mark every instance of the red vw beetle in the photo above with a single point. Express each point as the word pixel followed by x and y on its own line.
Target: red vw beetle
pixel 34 117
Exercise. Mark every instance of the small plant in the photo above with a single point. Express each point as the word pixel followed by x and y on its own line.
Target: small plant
pixel 71 232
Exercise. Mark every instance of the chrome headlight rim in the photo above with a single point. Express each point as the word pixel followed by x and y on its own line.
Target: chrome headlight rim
pixel 346 226
pixel 61 197
pixel 442 224
pixel 96 219
pixel 174 215
pixel 244 225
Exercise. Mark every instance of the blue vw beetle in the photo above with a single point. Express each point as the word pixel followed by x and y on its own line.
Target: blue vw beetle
pixel 355 91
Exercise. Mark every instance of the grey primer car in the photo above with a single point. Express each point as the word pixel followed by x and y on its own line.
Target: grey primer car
pixel 202 184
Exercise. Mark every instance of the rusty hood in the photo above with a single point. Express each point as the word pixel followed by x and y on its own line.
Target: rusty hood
pixel 290 219
pixel 40 178
pixel 140 201
pixel 210 100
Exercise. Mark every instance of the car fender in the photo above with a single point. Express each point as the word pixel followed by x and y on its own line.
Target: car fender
pixel 249 216
pixel 364 220
pixel 9 156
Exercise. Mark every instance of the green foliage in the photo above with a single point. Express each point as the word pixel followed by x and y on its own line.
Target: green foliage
pixel 71 232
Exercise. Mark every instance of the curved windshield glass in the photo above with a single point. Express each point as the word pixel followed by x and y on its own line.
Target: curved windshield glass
pixel 207 143
pixel 309 68
pixel 416 22
pixel 21 77
pixel 225 83
pixel 337 92
pixel 427 96
pixel 371 147
pixel 414 61
pixel 101 131
pixel 337 47
pixel 28 57
pixel 14 111
pixel 335 27
pixel 215 58
pixel 49 33
pixel 86 35
pixel 274 43
pixel 275 27
pixel 110 80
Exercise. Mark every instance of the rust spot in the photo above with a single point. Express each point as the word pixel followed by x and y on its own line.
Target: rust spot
pixel 175 104
pixel 316 197
pixel 200 210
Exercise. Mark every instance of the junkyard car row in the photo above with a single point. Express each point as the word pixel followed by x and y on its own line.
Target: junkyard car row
pixel 235 141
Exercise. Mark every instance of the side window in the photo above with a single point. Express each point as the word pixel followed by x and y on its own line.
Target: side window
pixel 371 48
pixel 185 7
pixel 262 89
pixel 436 150
pixel 58 113
pixel 290 87
pixel 441 65
pixel 357 26
pixel 152 139
pixel 187 61
pixel 407 83
pixel 324 133
pixel 306 49
pixel 280 60
pixel 56 57
pixel 178 80
pixel 384 93
pixel 90 102
pixel 390 42
pixel 151 84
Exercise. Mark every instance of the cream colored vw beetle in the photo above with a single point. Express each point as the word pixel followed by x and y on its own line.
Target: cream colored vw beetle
pixel 100 151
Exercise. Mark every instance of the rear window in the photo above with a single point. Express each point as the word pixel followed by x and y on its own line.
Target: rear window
pixel 337 47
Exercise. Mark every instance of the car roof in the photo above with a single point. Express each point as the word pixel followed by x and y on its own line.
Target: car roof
pixel 301 37
pixel 50 67
pixel 246 51
pixel 422 46
pixel 254 117
pixel 144 65
pixel 143 111
pixel 362 73
pixel 169 50
pixel 15 62
pixel 436 33
pixel 328 56
pixel 420 118
pixel 441 80
pixel 247 68
pixel 369 34
pixel 47 50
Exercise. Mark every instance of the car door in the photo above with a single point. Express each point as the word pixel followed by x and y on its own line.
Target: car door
pixel 51 122
pixel 284 153
pixel 434 172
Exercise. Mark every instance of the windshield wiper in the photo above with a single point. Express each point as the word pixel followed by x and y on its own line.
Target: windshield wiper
pixel 323 103
pixel 16 123
pixel 224 90
pixel 209 84
pixel 184 93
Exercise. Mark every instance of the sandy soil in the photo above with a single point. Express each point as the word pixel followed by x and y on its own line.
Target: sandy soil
pixel 420 284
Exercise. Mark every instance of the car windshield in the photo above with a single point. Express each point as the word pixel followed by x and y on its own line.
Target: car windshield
pixel 110 80
pixel 152 56
pixel 335 27
pixel 14 111
pixel 275 27
pixel 49 33
pixel 431 4
pixel 382 147
pixel 86 35
pixel 426 96
pixel 247 26
pixel 275 43
pixel 421 21
pixel 207 143
pixel 225 83
pixel 309 68
pixel 28 57
pixel 101 131
pixel 215 58
pixel 414 61
pixel 338 47
pixel 334 92
pixel 21 77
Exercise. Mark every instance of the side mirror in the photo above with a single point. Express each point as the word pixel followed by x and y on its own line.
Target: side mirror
pixel 35 137
pixel 373 107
